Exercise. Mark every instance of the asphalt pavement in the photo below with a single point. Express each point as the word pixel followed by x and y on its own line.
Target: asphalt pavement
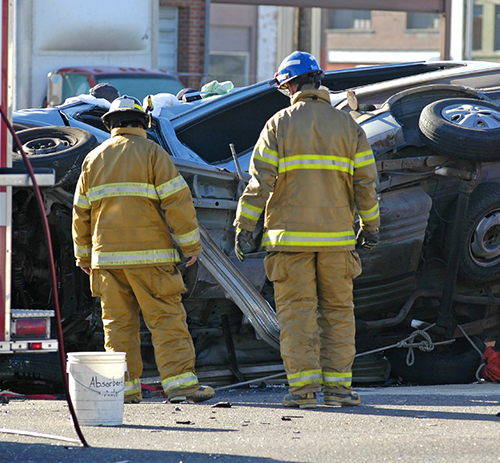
pixel 459 423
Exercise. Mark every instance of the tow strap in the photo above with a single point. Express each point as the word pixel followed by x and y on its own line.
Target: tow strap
pixel 490 370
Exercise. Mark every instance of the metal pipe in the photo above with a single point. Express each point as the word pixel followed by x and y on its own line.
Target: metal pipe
pixel 236 162
pixel 405 310
pixel 408 305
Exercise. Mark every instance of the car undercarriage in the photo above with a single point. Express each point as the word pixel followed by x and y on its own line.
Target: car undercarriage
pixel 427 300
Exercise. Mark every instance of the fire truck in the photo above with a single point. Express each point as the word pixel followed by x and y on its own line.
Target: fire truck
pixel 23 332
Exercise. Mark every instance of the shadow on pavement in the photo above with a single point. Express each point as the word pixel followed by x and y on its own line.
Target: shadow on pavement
pixel 409 406
pixel 18 452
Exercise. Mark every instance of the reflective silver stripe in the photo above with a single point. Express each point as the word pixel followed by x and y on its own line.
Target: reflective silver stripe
pixel 284 238
pixel 81 201
pixel 337 379
pixel 131 387
pixel 171 187
pixel 307 377
pixel 364 158
pixel 266 155
pixel 82 251
pixel 371 214
pixel 153 256
pixel 249 211
pixel 122 189
pixel 188 239
pixel 316 161
pixel 178 382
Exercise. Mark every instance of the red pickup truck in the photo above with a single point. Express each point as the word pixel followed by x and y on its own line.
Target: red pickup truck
pixel 138 82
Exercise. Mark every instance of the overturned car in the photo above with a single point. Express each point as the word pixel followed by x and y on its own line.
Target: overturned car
pixel 429 294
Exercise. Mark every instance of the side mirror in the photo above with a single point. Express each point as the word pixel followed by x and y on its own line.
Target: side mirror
pixel 54 89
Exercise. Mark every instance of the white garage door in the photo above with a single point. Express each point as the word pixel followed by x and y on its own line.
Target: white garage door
pixel 167 47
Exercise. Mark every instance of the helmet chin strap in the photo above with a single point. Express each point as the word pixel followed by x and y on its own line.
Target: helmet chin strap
pixel 285 92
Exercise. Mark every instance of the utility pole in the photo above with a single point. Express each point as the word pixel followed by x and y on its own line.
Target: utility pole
pixel 303 16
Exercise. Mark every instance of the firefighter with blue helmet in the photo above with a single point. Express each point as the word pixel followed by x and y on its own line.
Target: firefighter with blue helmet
pixel 132 209
pixel 300 67
pixel 311 167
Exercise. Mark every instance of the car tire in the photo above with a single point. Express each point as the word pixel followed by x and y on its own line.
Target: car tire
pixel 18 127
pixel 462 128
pixel 60 148
pixel 454 364
pixel 479 251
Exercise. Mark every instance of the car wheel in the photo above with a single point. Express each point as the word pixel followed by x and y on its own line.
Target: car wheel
pixel 479 253
pixel 60 148
pixel 454 364
pixel 462 128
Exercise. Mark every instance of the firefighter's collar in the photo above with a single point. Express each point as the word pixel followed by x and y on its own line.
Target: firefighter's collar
pixel 311 94
pixel 129 131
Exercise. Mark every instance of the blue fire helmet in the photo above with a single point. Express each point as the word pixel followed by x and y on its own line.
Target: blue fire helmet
pixel 298 64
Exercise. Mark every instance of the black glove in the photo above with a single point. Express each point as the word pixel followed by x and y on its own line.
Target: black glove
pixel 367 239
pixel 241 238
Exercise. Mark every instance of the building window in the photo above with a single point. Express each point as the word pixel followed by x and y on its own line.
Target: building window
pixel 233 66
pixel 422 21
pixel 350 19
pixel 168 20
pixel 477 27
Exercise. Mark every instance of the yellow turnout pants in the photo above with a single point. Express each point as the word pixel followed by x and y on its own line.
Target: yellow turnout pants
pixel 315 310
pixel 156 292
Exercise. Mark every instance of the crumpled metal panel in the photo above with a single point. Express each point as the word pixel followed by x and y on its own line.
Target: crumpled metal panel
pixel 258 311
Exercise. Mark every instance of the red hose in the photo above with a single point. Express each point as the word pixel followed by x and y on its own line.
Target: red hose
pixel 62 355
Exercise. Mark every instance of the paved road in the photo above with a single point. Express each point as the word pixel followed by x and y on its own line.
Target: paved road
pixel 458 423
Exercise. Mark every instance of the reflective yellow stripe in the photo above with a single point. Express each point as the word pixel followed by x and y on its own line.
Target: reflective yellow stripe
pixel 184 381
pixel 249 211
pixel 316 161
pixel 363 158
pixel 146 190
pixel 83 251
pixel 266 155
pixel 171 187
pixel 370 214
pixel 81 201
pixel 112 190
pixel 187 239
pixel 337 379
pixel 304 378
pixel 153 256
pixel 286 238
pixel 132 387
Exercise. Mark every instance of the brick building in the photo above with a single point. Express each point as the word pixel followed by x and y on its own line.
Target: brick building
pixel 191 46
pixel 364 37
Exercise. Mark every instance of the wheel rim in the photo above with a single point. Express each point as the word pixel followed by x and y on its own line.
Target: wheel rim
pixel 484 247
pixel 472 115
pixel 41 146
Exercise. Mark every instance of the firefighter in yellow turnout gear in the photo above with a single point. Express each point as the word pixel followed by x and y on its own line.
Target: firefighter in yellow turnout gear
pixel 310 168
pixel 128 196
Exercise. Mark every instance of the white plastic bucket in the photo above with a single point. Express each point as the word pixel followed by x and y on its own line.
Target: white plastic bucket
pixel 96 387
